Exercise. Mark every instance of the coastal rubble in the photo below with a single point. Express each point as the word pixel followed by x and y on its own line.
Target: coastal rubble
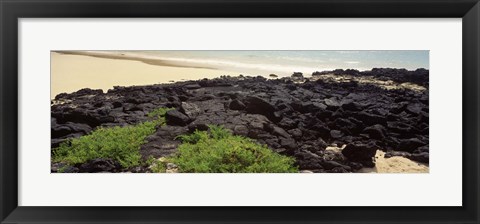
pixel 296 116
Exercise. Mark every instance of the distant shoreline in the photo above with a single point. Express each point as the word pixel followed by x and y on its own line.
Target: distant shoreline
pixel 133 58
pixel 74 70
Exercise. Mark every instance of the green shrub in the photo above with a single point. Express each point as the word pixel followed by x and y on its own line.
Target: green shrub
pixel 159 113
pixel 158 167
pixel 218 151
pixel 119 143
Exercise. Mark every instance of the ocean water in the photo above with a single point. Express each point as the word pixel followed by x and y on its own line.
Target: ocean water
pixel 286 62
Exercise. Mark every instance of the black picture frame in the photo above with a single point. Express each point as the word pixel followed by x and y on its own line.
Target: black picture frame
pixel 12 10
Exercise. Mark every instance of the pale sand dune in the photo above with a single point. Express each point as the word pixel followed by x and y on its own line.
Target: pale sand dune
pixel 70 73
pixel 395 164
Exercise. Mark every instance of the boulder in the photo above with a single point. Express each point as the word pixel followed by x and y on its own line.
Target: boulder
pixel 330 165
pixel 308 161
pixel 336 134
pixel 240 130
pixel 370 118
pixel 352 106
pixel 236 105
pixel 58 131
pixel 410 145
pixel 164 142
pixel 414 108
pixel 256 105
pixel 332 103
pixel 63 168
pixel 296 133
pixel 375 131
pixel 420 157
pixel 361 152
pixel 422 149
pixel 190 109
pixel 99 165
pixel 297 77
pixel 288 143
pixel 280 132
pixel 287 123
pixel 176 118
pixel 313 107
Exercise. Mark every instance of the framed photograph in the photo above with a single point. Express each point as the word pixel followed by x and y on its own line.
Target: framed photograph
pixel 239 111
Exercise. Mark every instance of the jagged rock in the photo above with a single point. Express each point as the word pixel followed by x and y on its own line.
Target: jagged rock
pixel 369 118
pixel 280 132
pixel 414 108
pixel 352 106
pixel 308 161
pixel 197 126
pixel 190 109
pixel 69 128
pixel 63 168
pixel 420 157
pixel 80 93
pixel 375 132
pixel 329 165
pixel 410 145
pixel 422 149
pixel 287 123
pixel 236 105
pixel 332 103
pixel 296 133
pixel 336 134
pixel 99 165
pixel 256 105
pixel 288 143
pixel 360 152
pixel 240 130
pixel 297 76
pixel 176 118
pixel 163 142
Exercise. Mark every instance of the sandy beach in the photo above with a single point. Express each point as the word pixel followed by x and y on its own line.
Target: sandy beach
pixel 71 72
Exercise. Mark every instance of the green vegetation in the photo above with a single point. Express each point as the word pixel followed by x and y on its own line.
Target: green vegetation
pixel 218 151
pixel 62 169
pixel 159 113
pixel 215 151
pixel 158 167
pixel 119 143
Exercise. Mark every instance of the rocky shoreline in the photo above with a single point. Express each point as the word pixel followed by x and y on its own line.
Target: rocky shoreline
pixel 296 116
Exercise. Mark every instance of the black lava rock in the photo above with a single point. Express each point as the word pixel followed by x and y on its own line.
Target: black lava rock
pixel 176 118
pixel 360 152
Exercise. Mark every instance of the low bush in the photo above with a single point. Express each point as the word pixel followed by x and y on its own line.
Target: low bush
pixel 218 151
pixel 119 143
